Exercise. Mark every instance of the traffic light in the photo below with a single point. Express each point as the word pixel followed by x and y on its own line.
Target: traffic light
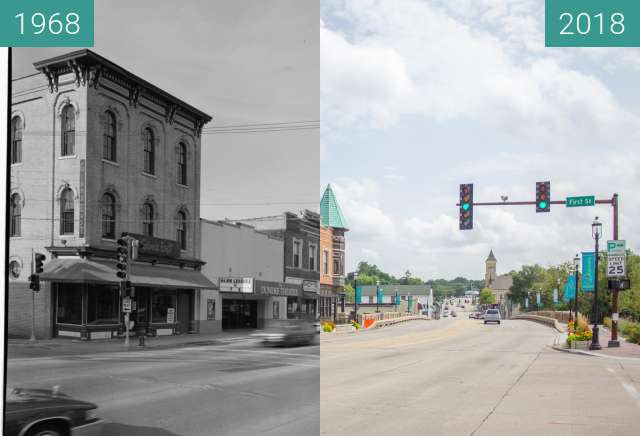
pixel 466 206
pixel 123 259
pixel 34 284
pixel 40 258
pixel 543 196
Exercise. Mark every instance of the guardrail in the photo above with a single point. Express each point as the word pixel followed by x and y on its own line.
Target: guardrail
pixel 551 322
pixel 381 319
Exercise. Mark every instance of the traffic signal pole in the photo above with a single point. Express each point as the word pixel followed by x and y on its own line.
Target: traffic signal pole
pixel 33 301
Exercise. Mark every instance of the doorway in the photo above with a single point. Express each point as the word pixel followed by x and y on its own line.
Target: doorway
pixel 239 314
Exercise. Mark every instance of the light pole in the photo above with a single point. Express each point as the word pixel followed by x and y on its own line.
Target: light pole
pixel 576 264
pixel 377 296
pixel 395 302
pixel 355 296
pixel 596 232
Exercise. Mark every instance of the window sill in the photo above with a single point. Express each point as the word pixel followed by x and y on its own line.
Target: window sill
pixel 17 237
pixel 110 162
pixel 17 164
pixel 151 176
pixel 71 156
pixel 180 185
pixel 103 239
pixel 67 236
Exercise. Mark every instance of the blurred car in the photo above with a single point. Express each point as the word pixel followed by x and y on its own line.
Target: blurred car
pixel 287 332
pixel 479 315
pixel 46 412
pixel 472 315
pixel 492 315
pixel 453 313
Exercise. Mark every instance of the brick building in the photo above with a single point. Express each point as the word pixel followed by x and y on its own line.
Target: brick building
pixel 96 152
pixel 333 226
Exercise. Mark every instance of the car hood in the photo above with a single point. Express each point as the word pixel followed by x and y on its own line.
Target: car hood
pixel 45 396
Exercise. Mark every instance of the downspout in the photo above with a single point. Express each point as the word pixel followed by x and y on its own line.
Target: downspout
pixel 53 170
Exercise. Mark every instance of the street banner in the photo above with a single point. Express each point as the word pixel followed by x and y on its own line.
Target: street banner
pixel 570 288
pixel 555 296
pixel 379 296
pixel 397 300
pixel 588 271
pixel 410 303
pixel 526 302
pixel 358 294
pixel 538 298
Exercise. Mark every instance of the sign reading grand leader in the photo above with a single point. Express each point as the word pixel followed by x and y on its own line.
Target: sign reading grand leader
pixel 277 289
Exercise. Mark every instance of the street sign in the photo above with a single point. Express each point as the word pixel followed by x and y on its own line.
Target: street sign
pixel 585 200
pixel 617 247
pixel 616 266
pixel 588 271
pixel 126 305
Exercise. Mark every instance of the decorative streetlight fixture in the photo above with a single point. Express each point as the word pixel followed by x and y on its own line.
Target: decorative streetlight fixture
pixel 355 296
pixel 576 266
pixel 596 232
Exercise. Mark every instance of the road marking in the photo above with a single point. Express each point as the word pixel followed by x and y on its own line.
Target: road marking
pixel 628 387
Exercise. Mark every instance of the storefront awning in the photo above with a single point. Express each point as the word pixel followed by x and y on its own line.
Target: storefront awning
pixel 94 271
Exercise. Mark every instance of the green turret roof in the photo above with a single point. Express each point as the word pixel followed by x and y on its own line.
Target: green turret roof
pixel 330 213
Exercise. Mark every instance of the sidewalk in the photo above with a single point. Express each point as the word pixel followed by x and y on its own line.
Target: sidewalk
pixel 627 350
pixel 20 348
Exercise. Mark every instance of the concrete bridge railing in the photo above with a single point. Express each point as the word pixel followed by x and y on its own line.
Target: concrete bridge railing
pixel 551 322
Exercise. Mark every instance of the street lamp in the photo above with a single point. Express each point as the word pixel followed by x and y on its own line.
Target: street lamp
pixel 377 296
pixel 395 301
pixel 355 296
pixel 576 265
pixel 596 232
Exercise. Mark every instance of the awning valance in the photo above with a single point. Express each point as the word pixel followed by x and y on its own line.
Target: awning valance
pixel 104 271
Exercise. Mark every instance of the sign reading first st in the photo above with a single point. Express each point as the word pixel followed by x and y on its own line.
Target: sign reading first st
pixel 585 200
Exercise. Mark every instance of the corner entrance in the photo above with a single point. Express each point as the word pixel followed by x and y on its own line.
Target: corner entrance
pixel 239 314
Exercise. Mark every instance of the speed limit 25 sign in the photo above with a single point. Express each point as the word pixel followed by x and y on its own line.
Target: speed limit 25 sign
pixel 616 266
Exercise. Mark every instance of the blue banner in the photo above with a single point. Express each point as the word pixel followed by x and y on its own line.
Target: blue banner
pixel 397 300
pixel 570 288
pixel 358 294
pixel 538 298
pixel 526 302
pixel 379 295
pixel 588 271
pixel 410 303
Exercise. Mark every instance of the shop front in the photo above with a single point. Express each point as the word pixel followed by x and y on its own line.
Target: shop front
pixel 89 302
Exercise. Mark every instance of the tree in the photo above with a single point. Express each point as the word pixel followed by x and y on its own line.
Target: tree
pixel 487 297
pixel 349 293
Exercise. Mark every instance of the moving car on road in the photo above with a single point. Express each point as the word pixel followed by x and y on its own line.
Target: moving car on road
pixel 492 315
pixel 287 332
pixel 44 412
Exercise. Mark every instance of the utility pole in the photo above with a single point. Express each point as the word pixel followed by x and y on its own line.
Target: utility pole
pixel 614 342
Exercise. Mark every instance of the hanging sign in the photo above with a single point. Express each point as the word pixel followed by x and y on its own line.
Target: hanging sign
pixel 588 271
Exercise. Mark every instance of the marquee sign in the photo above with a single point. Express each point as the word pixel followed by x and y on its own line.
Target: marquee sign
pixel 277 289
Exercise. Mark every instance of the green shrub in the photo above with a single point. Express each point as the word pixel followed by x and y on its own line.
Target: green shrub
pixel 356 325
pixel 631 331
pixel 327 327
pixel 607 321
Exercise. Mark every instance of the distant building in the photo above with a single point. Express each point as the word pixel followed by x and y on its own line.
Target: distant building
pixel 500 285
pixel 333 226
pixel 97 151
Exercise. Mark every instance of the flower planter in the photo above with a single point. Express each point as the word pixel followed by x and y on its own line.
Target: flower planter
pixel 580 345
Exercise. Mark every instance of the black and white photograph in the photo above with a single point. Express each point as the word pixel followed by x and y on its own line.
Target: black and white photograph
pixel 164 226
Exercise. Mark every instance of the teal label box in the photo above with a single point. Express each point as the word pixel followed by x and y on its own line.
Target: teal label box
pixel 46 23
pixel 592 23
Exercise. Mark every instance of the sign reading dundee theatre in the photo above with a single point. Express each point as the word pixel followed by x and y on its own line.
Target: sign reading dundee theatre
pixel 276 289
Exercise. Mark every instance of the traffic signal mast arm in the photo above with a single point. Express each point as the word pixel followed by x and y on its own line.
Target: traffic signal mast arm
pixel 523 203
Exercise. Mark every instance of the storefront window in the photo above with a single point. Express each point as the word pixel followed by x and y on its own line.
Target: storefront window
pixel 102 307
pixel 276 309
pixel 69 310
pixel 161 302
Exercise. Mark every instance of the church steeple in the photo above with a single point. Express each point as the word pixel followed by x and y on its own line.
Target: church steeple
pixel 490 270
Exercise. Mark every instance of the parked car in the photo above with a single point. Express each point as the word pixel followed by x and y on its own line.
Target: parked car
pixel 479 315
pixel 453 313
pixel 472 315
pixel 47 412
pixel 287 332
pixel 492 315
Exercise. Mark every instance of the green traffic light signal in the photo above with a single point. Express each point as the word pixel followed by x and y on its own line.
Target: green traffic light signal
pixel 542 205
pixel 465 206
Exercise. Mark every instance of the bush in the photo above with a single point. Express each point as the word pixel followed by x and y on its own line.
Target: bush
pixel 630 330
pixel 328 327
pixel 607 322
pixel 356 325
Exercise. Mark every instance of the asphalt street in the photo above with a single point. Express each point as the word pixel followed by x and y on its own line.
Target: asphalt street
pixel 234 389
pixel 457 376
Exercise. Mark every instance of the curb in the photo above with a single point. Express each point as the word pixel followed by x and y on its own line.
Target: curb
pixel 558 347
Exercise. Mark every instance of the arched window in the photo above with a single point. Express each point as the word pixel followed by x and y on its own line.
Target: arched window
pixel 16 140
pixel 16 215
pixel 147 219
pixel 149 152
pixel 108 216
pixel 68 130
pixel 182 164
pixel 181 230
pixel 109 137
pixel 66 212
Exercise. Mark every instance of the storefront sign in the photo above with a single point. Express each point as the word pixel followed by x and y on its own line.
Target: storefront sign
pixel 236 284
pixel 277 289
pixel 155 246
pixel 211 309
pixel 171 315
pixel 311 286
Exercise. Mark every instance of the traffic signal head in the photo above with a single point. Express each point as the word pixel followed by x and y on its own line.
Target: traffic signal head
pixel 123 259
pixel 543 196
pixel 34 284
pixel 466 206
pixel 40 258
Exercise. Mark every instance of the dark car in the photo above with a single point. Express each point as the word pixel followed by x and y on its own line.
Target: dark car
pixel 46 412
pixel 287 332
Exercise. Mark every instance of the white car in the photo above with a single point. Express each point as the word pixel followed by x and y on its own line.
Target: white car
pixel 492 315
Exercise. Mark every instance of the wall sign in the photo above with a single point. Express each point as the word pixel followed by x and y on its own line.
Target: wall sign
pixel 236 284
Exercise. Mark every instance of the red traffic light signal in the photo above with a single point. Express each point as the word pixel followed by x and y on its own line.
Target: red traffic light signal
pixel 543 196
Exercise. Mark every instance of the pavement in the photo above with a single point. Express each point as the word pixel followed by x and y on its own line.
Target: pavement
pixel 68 347
pixel 462 377
pixel 626 350
pixel 228 387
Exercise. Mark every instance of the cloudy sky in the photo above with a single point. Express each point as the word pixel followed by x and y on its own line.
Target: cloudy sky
pixel 420 96
pixel 250 63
